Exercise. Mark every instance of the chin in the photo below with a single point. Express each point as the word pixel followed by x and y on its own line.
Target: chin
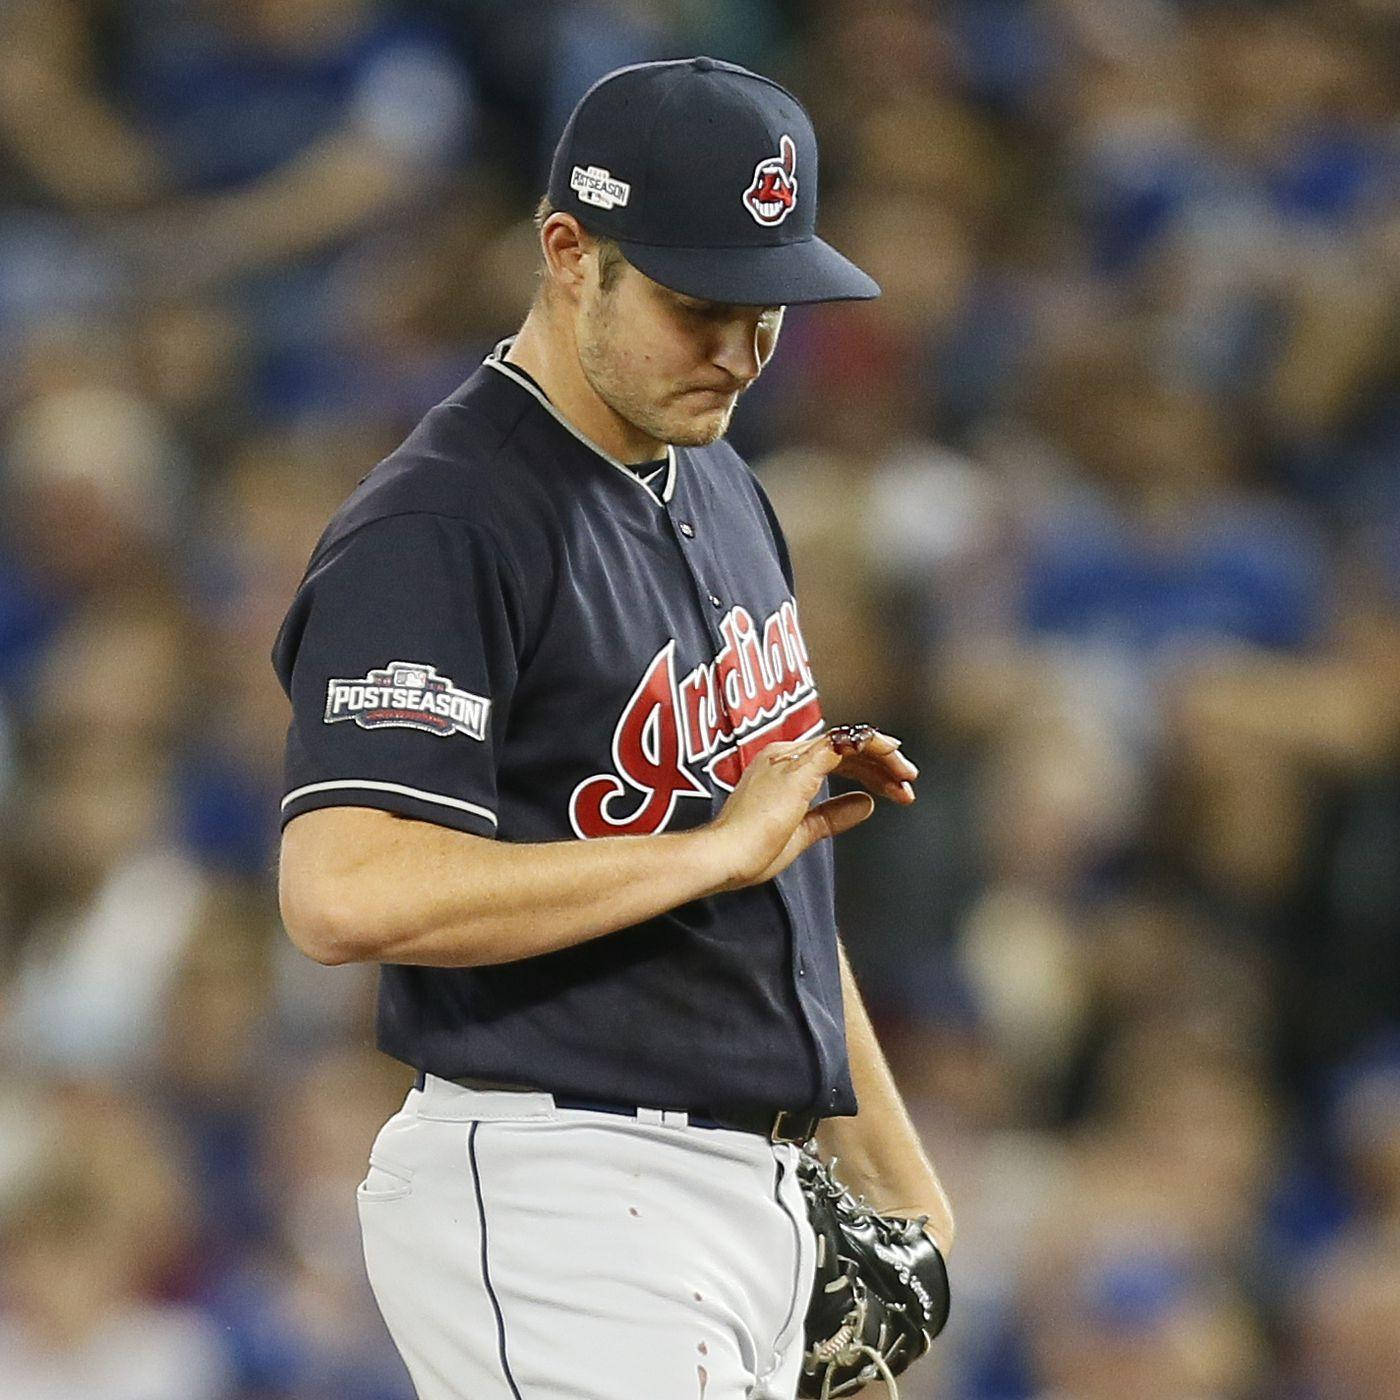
pixel 699 431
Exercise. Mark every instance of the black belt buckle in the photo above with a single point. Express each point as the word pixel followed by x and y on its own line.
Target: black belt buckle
pixel 793 1127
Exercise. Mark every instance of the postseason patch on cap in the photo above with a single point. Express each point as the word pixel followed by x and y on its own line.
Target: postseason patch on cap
pixel 407 695
pixel 596 186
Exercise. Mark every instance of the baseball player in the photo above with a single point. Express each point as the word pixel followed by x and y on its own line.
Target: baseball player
pixel 557 762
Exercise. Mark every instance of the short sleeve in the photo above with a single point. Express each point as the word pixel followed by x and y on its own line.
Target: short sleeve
pixel 399 657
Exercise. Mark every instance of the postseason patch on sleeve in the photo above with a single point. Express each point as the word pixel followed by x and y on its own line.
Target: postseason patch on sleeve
pixel 408 695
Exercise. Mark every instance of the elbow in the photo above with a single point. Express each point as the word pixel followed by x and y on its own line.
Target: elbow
pixel 326 931
pixel 943 1229
pixel 325 947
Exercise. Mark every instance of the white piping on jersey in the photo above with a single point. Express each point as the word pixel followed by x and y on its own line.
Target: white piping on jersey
pixel 366 785
pixel 495 360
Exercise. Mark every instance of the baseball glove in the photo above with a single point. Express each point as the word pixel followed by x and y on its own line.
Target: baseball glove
pixel 880 1296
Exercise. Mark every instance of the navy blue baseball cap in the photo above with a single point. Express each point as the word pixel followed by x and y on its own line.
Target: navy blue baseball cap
pixel 705 174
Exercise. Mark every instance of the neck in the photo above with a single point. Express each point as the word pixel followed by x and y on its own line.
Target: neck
pixel 546 349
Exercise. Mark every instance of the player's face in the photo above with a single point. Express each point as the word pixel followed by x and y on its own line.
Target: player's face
pixel 672 366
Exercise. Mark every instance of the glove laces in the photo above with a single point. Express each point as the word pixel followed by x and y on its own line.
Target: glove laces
pixel 842 1349
pixel 850 1354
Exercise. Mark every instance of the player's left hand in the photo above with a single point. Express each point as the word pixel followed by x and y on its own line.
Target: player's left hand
pixel 880 1295
pixel 874 760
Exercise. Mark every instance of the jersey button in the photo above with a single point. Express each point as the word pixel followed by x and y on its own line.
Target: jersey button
pixel 715 601
pixel 686 528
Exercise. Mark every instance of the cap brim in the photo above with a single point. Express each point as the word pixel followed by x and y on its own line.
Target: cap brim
pixel 788 274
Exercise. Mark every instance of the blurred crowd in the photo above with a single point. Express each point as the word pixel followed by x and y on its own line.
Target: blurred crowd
pixel 1098 508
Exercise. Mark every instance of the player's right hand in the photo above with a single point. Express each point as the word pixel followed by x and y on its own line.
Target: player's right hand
pixel 769 819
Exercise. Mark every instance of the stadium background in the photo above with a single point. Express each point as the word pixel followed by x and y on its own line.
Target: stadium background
pixel 1099 508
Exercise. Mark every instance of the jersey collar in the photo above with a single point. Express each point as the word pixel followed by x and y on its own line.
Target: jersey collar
pixel 496 360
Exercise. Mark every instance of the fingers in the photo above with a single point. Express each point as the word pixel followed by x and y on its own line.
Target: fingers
pixel 891 772
pixel 898 763
pixel 874 760
pixel 885 749
pixel 838 814
pixel 768 821
pixel 816 751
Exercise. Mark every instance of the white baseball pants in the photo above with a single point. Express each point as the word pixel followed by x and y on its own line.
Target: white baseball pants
pixel 520 1251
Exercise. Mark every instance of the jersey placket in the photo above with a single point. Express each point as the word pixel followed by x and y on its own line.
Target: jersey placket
pixel 713 607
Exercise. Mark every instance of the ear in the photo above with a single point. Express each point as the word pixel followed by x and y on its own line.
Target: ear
pixel 566 247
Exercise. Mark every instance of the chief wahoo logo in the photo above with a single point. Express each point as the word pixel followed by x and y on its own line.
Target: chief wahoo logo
pixel 773 194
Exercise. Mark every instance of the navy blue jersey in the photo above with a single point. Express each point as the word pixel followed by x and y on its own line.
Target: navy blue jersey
pixel 505 631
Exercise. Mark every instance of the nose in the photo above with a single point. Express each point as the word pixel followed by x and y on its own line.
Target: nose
pixel 737 350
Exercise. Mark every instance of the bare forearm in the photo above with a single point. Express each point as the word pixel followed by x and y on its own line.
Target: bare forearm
pixel 408 893
pixel 361 885
pixel 880 1154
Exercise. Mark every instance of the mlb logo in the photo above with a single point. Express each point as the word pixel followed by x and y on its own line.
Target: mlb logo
pixel 413 676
